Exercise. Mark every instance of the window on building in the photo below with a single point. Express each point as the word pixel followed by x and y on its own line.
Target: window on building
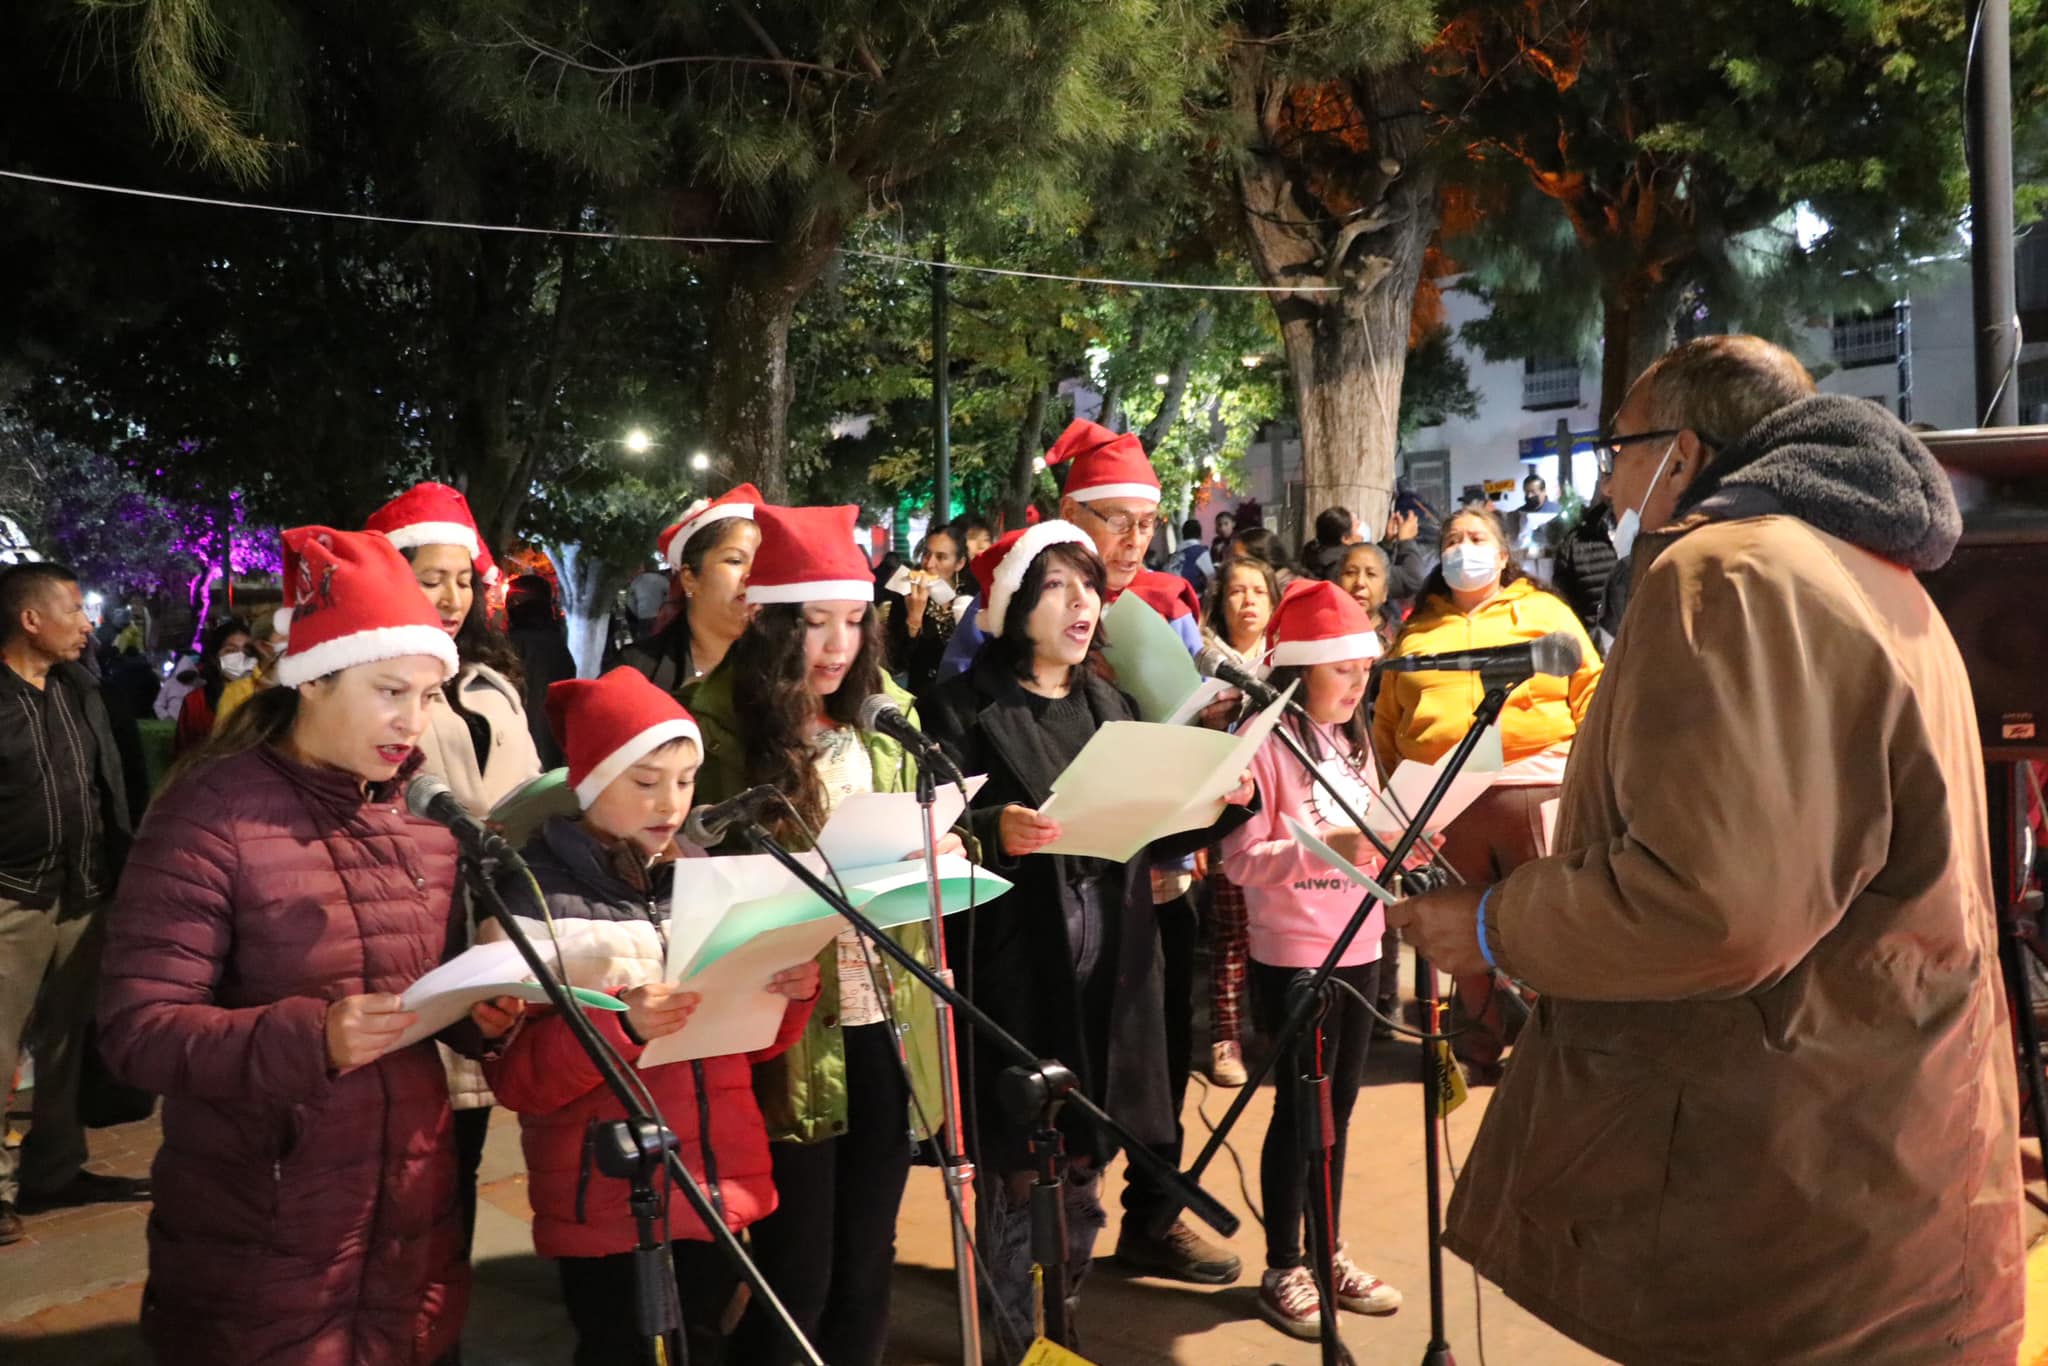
pixel 1550 382
pixel 2034 391
pixel 1866 338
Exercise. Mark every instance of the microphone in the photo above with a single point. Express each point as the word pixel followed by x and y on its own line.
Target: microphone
pixel 1556 654
pixel 1214 662
pixel 706 826
pixel 880 716
pixel 428 798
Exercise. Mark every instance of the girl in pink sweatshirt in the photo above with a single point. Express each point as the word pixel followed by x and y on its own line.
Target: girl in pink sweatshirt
pixel 1296 905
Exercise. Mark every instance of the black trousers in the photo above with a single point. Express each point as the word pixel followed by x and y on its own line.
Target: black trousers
pixel 1177 929
pixel 1283 1170
pixel 830 1246
pixel 472 1127
pixel 599 1292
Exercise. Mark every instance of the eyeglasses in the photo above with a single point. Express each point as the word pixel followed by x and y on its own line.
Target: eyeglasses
pixel 1607 447
pixel 1123 523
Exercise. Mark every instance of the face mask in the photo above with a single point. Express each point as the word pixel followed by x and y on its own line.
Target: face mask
pixel 236 665
pixel 1631 521
pixel 1470 567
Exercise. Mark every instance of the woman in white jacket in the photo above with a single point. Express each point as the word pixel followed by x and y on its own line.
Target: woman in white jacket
pixel 477 740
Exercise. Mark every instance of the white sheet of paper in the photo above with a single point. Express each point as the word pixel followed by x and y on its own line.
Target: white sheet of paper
pixel 1308 840
pixel 938 593
pixel 738 1013
pixel 1206 691
pixel 1182 774
pixel 1547 813
pixel 739 920
pixel 444 995
pixel 882 827
pixel 1407 787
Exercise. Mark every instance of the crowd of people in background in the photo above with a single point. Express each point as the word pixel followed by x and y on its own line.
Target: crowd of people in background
pixel 243 946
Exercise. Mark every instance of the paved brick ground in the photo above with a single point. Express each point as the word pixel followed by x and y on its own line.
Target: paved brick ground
pixel 69 1294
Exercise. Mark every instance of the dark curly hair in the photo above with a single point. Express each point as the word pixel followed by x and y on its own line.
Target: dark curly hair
pixel 1014 646
pixel 769 655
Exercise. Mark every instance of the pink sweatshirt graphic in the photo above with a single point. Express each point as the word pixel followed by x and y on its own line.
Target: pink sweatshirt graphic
pixel 1295 904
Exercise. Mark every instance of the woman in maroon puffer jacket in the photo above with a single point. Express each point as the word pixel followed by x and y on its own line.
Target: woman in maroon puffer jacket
pixel 277 899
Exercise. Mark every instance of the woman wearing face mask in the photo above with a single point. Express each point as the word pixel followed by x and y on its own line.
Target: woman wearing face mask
pixel 712 547
pixel 1068 960
pixel 277 900
pixel 847 1102
pixel 916 627
pixel 1239 611
pixel 223 658
pixel 477 739
pixel 1477 597
pixel 246 678
pixel 1324 642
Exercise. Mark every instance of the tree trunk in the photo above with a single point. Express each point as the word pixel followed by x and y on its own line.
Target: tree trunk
pixel 1111 414
pixel 750 388
pixel 1339 190
pixel 586 604
pixel 1636 329
pixel 1030 445
pixel 1174 395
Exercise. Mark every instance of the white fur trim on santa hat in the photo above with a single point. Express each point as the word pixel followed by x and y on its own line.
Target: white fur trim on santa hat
pixel 695 520
pixel 817 590
pixel 632 752
pixel 1329 650
pixel 434 533
pixel 367 647
pixel 1149 492
pixel 1016 563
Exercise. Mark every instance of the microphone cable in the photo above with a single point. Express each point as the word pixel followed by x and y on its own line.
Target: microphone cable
pixel 900 1051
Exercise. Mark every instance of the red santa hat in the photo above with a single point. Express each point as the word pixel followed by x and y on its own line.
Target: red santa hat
pixel 739 502
pixel 1170 595
pixel 1106 464
pixel 809 555
pixel 353 600
pixel 1000 569
pixel 433 514
pixel 608 724
pixel 1316 622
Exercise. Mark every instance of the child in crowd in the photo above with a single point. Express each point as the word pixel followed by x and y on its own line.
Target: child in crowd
pixel 1295 907
pixel 633 754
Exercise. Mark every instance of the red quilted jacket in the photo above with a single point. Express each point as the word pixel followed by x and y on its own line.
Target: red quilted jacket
pixel 300 1216
pixel 545 1076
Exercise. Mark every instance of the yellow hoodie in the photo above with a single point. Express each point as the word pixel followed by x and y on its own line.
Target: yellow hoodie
pixel 1422 716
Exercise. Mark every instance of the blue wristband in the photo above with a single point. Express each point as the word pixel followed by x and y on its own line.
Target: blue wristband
pixel 1485 952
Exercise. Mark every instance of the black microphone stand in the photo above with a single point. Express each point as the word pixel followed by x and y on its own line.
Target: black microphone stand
pixel 1304 1004
pixel 1316 1133
pixel 1045 1083
pixel 636 1148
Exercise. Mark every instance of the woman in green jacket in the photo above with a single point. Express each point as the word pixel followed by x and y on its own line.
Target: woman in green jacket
pixel 848 1103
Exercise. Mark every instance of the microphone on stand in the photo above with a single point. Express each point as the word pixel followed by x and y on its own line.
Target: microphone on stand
pixel 428 798
pixel 706 826
pixel 1215 662
pixel 1556 654
pixel 880 716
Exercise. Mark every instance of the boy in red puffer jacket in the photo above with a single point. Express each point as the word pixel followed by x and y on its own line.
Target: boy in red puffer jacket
pixel 633 753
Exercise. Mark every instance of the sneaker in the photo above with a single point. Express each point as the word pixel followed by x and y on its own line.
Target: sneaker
pixel 11 1230
pixel 1288 1300
pixel 1181 1255
pixel 1226 1063
pixel 1360 1291
pixel 86 1188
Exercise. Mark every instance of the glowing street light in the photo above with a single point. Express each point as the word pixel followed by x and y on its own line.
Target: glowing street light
pixel 1162 379
pixel 700 462
pixel 638 441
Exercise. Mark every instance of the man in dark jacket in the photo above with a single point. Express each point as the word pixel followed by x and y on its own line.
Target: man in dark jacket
pixel 1408 557
pixel 64 829
pixel 1585 562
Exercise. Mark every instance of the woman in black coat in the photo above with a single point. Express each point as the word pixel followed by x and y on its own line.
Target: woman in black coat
pixel 1069 960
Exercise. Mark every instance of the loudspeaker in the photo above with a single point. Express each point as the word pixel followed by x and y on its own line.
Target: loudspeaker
pixel 1995 597
pixel 1994 591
